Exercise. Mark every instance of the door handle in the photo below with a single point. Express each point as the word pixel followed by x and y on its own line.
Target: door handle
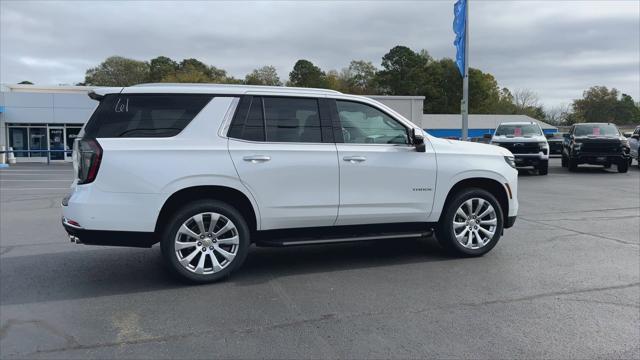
pixel 254 159
pixel 354 159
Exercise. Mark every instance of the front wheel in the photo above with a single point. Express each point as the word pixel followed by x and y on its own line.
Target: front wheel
pixel 543 167
pixel 623 166
pixel 471 223
pixel 573 164
pixel 205 241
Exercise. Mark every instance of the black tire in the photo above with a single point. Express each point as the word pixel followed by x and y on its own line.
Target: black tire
pixel 573 165
pixel 623 166
pixel 167 243
pixel 444 230
pixel 543 167
pixel 564 161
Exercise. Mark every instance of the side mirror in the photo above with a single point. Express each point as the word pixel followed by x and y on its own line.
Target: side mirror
pixel 487 136
pixel 418 140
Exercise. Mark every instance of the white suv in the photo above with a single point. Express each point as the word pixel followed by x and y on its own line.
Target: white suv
pixel 207 170
pixel 526 141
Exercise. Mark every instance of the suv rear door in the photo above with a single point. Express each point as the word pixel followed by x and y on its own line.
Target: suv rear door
pixel 383 179
pixel 283 150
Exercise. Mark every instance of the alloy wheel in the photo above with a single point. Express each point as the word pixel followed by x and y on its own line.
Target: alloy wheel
pixel 206 243
pixel 475 223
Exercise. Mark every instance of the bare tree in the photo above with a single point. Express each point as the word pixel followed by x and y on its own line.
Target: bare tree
pixel 558 115
pixel 525 99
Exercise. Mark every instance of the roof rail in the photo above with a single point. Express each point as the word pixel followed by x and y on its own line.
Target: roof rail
pixel 240 86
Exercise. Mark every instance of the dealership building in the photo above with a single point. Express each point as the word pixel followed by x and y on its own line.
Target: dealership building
pixel 36 118
pixel 42 118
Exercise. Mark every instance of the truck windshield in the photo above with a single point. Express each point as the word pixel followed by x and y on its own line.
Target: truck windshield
pixel 518 130
pixel 596 130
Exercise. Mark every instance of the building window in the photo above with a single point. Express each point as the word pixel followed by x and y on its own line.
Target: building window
pixel 33 137
pixel 18 140
pixel 38 140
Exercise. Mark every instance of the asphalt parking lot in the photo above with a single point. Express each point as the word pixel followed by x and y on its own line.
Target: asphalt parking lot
pixel 563 283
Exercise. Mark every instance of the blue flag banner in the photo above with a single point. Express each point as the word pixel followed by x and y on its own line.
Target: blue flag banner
pixel 460 13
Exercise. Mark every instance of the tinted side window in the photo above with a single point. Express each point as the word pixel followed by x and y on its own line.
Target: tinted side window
pixel 364 124
pixel 248 124
pixel 144 115
pixel 292 120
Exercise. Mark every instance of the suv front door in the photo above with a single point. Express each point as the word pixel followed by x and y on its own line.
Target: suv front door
pixel 383 179
pixel 283 150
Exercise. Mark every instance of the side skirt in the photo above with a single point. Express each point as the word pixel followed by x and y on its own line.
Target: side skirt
pixel 341 234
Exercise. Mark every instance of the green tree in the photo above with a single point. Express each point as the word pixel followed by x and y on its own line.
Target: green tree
pixel 598 103
pixel 25 82
pixel 403 72
pixel 195 71
pixel 359 77
pixel 306 74
pixel 161 68
pixel 266 75
pixel 118 71
pixel 335 81
pixel 627 111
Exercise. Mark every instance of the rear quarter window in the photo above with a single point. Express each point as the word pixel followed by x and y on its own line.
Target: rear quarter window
pixel 144 115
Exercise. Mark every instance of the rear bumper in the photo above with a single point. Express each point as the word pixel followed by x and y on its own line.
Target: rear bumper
pixel 109 238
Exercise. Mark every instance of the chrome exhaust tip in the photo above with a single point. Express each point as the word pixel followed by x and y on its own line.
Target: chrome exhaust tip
pixel 75 239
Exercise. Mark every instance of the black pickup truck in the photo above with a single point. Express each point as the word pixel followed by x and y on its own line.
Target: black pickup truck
pixel 595 143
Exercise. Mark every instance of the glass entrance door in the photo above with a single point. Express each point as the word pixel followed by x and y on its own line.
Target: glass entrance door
pixel 70 136
pixel 56 142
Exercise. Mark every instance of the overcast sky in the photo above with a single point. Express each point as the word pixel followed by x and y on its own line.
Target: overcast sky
pixel 555 48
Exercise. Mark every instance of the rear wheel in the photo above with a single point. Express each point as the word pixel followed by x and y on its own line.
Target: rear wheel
pixel 573 164
pixel 623 166
pixel 205 241
pixel 471 223
pixel 543 168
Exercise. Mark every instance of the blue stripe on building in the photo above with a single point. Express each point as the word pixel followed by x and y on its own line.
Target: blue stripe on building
pixel 457 133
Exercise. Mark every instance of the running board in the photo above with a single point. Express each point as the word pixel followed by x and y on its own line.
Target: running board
pixel 292 242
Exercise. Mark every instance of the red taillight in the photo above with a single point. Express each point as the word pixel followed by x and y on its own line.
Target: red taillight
pixel 88 157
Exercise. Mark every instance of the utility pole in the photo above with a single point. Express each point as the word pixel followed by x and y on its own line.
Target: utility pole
pixel 465 79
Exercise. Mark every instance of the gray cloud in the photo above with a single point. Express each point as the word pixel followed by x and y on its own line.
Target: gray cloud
pixel 556 48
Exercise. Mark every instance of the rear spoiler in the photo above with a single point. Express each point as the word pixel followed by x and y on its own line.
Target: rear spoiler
pixel 99 93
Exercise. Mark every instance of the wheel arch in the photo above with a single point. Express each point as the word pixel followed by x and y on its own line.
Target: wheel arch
pixel 233 197
pixel 493 186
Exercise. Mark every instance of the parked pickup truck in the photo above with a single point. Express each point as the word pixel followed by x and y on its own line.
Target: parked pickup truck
pixel 634 145
pixel 527 143
pixel 207 170
pixel 595 143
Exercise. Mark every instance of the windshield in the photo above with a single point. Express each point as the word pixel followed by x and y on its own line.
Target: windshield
pixel 596 130
pixel 518 130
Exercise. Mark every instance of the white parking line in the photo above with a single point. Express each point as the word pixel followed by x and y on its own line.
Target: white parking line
pixel 22 189
pixel 2 180
pixel 15 173
pixel 33 170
